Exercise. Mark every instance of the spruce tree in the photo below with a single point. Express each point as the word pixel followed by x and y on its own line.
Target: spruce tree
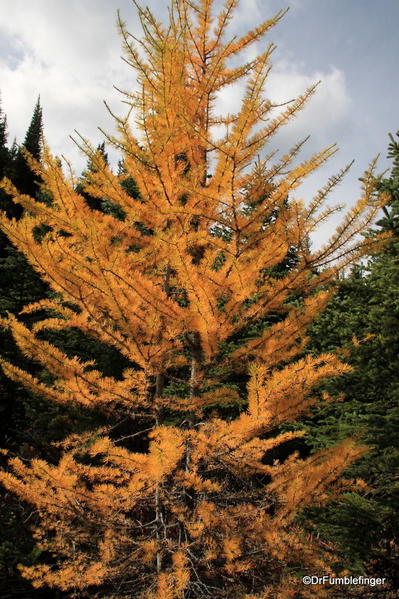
pixel 24 178
pixel 4 152
pixel 6 161
pixel 362 323
pixel 390 185
pixel 92 202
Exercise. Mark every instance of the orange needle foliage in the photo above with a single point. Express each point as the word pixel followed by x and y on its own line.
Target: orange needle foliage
pixel 198 512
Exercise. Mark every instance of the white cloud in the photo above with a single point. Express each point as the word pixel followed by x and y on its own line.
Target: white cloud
pixel 69 53
pixel 325 111
pixel 249 13
pixel 325 116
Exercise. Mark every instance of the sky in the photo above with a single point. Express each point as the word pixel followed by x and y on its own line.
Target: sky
pixel 68 51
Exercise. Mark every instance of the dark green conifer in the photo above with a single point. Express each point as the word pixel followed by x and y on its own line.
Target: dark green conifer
pixel 25 180
pixel 6 160
pixel 390 220
pixel 92 202
pixel 127 182
pixel 4 152
pixel 362 321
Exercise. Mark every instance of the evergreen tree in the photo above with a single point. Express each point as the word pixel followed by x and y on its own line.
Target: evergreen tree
pixel 19 282
pixel 33 137
pixel 187 504
pixel 93 202
pixel 24 177
pixel 4 152
pixel 390 185
pixel 362 322
pixel 6 160
pixel 127 182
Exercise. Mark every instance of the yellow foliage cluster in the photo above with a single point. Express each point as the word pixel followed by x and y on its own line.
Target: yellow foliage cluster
pixel 199 510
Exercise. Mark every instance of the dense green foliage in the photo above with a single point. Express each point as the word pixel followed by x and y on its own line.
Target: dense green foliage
pixel 23 177
pixel 362 323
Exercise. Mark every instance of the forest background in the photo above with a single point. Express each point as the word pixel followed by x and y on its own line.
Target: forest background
pixel 361 320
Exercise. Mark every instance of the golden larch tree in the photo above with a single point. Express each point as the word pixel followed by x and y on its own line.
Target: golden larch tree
pixel 199 510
